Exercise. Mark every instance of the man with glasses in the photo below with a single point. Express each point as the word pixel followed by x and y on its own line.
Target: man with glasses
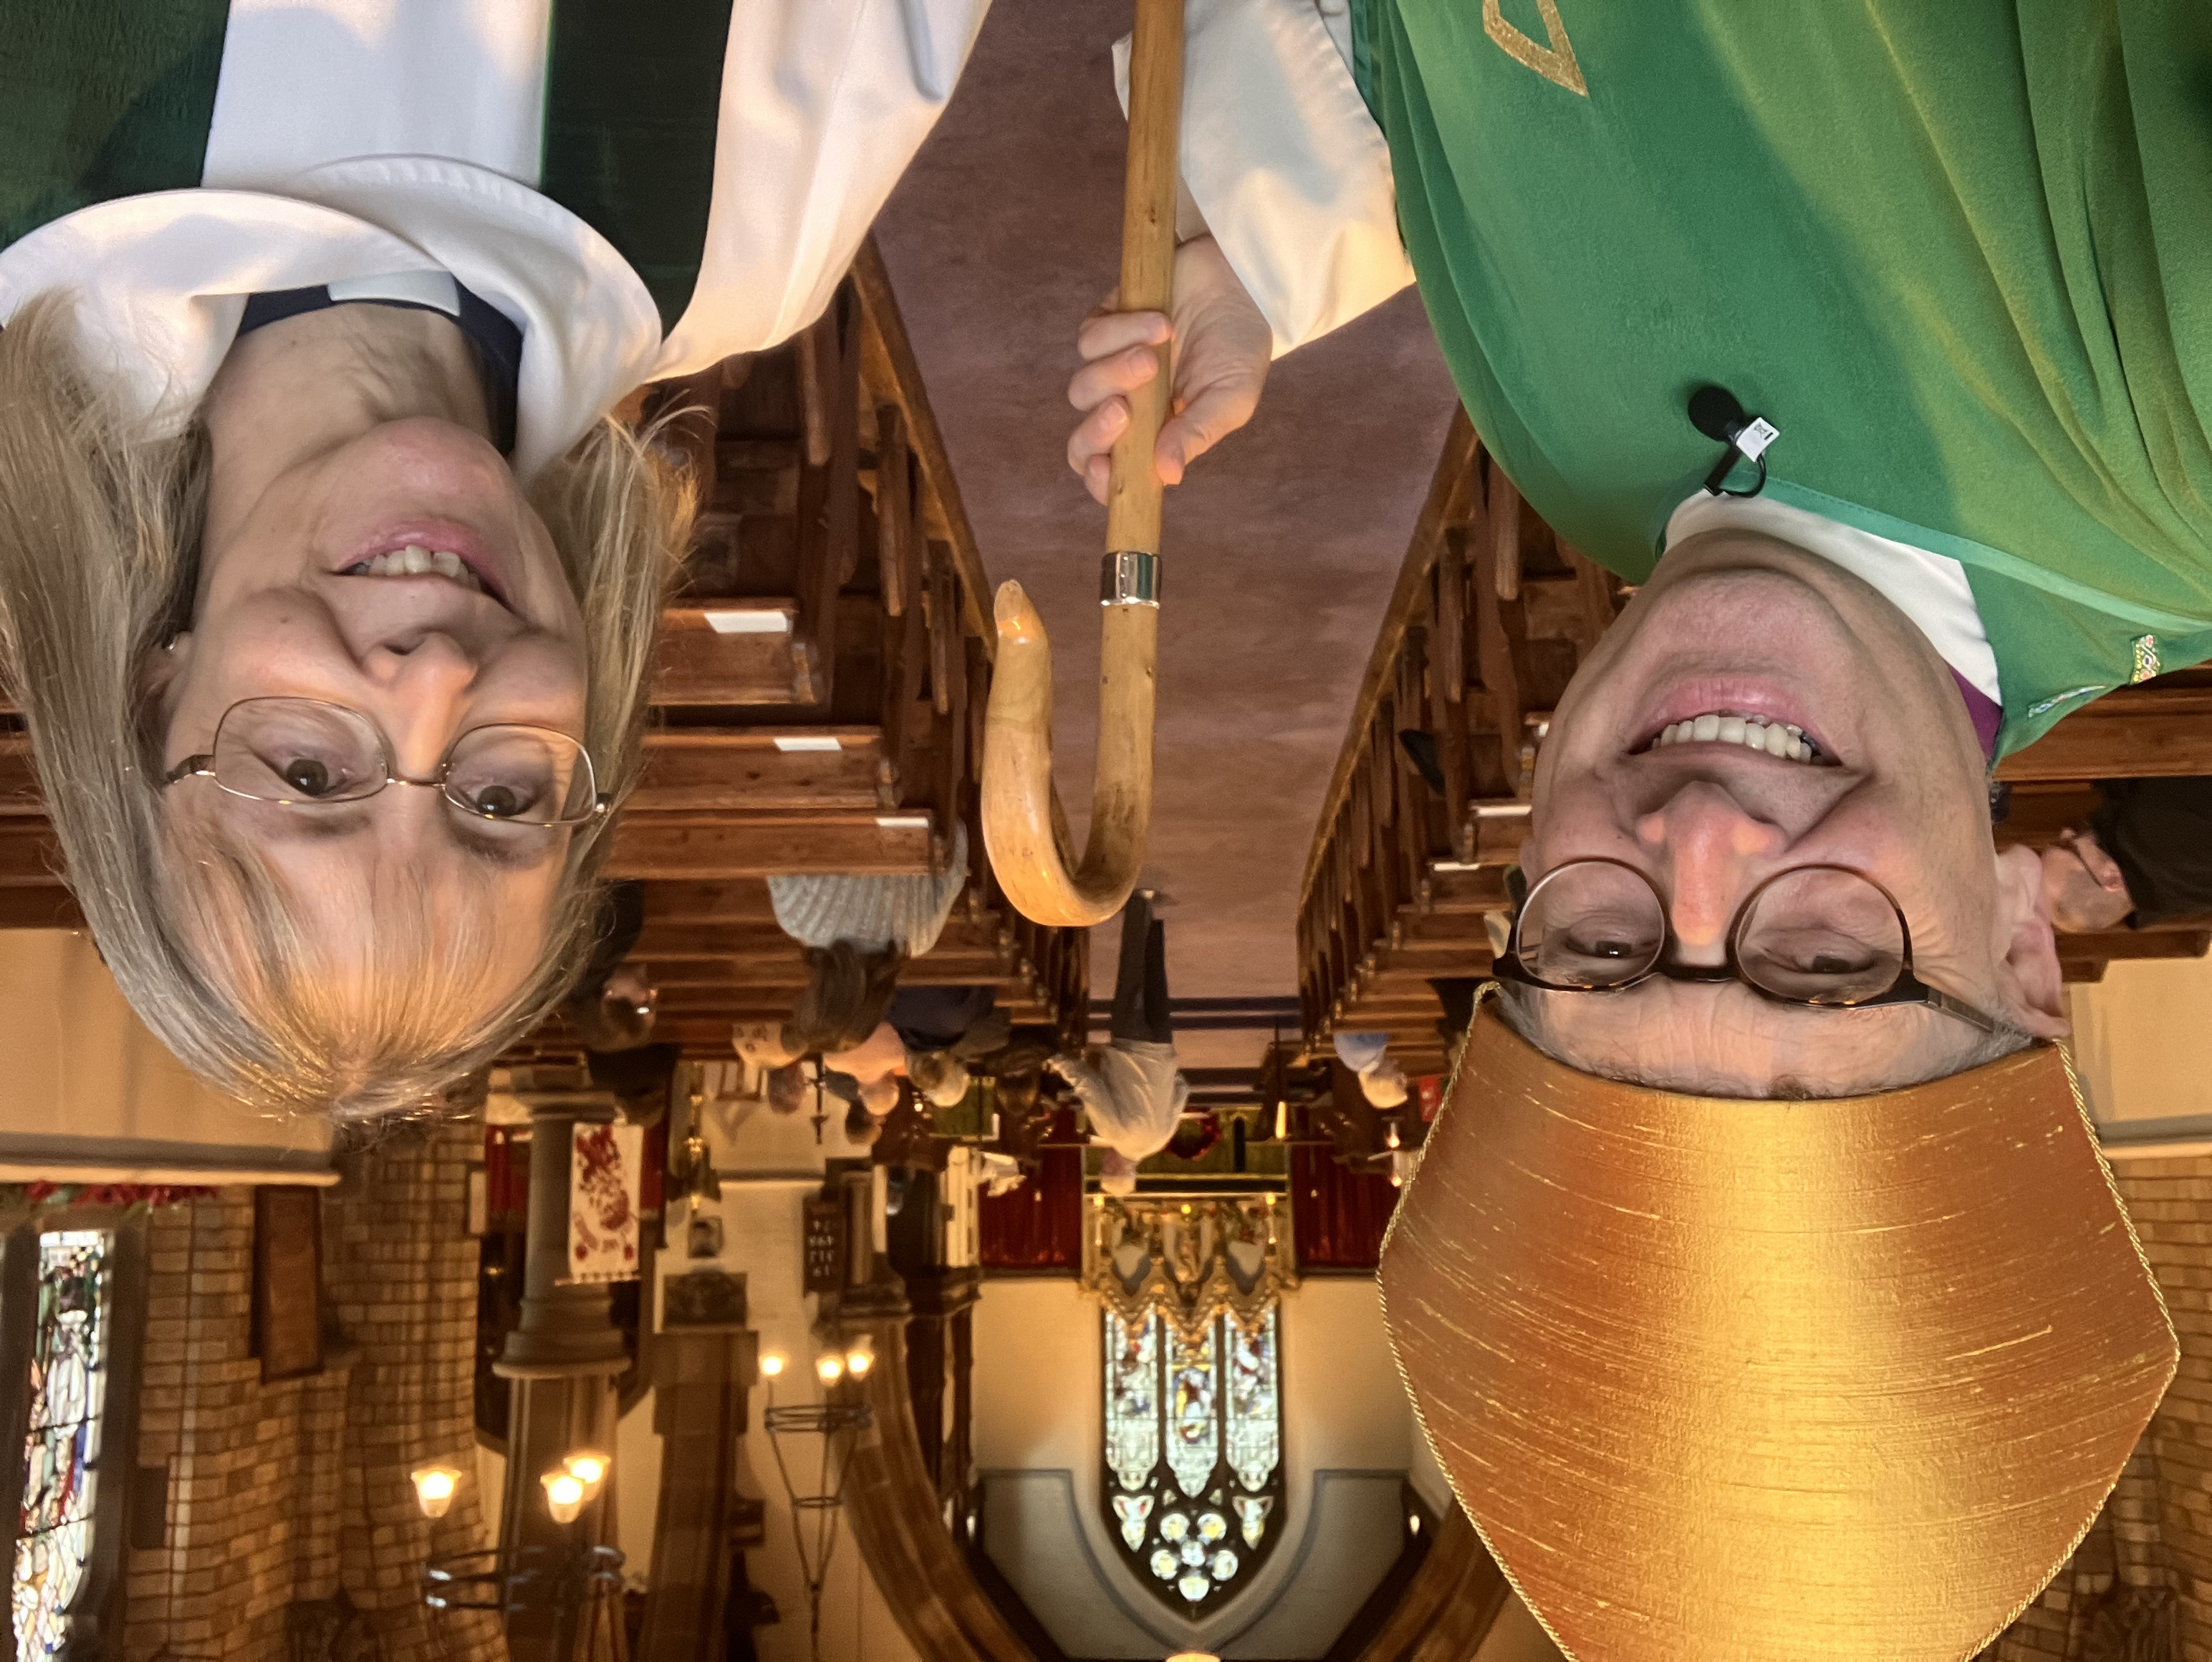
pixel 1703 914
pixel 1761 1291
pixel 2144 858
pixel 1890 329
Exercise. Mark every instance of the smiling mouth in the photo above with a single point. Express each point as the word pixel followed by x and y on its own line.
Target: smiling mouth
pixel 1782 740
pixel 415 561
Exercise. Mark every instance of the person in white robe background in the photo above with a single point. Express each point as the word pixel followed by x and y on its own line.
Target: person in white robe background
pixel 1131 1088
pixel 309 346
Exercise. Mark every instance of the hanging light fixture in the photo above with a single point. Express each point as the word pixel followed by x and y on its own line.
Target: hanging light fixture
pixel 436 1485
pixel 814 1515
pixel 772 1364
pixel 588 1467
pixel 564 1494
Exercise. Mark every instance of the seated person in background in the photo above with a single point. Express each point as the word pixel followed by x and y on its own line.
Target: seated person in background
pixel 640 1078
pixel 612 1010
pixel 2145 856
pixel 868 927
pixel 612 1005
pixel 787 1089
pixel 1026 1108
pixel 940 1077
pixel 847 992
pixel 1132 1089
pixel 964 1021
pixel 765 1044
pixel 328 581
pixel 1382 1080
pixel 868 1074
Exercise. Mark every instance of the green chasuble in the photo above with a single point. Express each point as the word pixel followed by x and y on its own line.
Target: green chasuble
pixel 103 99
pixel 1958 251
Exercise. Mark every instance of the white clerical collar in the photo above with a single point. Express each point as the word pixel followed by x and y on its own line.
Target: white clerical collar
pixel 159 282
pixel 1931 589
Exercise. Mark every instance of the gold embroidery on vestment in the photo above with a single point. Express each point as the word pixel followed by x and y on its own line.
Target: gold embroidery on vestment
pixel 1555 63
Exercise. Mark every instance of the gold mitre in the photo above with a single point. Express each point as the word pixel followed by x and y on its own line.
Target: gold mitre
pixel 1744 1381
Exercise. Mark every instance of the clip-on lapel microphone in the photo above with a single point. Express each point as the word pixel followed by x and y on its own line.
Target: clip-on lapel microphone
pixel 1719 415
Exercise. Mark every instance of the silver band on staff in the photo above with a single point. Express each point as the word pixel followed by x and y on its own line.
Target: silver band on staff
pixel 1130 578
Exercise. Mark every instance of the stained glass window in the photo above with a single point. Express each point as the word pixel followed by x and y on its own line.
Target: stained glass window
pixel 1133 1400
pixel 1194 1417
pixel 1193 1451
pixel 61 1453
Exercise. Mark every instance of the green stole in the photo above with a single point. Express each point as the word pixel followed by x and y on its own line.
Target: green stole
pixel 1960 253
pixel 102 99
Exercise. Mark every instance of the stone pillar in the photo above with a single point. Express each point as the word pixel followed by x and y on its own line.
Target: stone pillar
pixel 563 1360
pixel 703 1379
pixel 940 1300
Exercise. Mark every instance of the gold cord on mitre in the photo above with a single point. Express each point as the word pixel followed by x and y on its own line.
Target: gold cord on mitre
pixel 1748 1381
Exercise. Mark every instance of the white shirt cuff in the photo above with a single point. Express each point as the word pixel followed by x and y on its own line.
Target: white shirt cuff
pixel 1283 161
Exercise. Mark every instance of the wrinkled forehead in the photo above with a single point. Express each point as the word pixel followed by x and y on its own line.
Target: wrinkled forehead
pixel 1725 1040
pixel 401 921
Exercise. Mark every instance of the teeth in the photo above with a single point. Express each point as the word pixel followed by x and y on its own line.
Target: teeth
pixel 1753 733
pixel 415 561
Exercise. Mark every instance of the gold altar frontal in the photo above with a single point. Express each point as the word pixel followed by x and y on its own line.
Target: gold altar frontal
pixel 1765 1380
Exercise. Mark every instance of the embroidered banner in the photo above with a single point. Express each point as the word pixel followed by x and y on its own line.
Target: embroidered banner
pixel 605 1164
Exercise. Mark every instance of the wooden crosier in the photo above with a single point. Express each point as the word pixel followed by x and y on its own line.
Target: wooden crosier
pixel 1023 826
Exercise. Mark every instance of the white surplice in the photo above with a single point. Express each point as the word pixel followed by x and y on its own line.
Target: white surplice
pixel 358 139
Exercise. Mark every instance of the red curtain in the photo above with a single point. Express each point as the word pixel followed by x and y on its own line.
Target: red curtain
pixel 507 1179
pixel 1338 1215
pixel 1039 1224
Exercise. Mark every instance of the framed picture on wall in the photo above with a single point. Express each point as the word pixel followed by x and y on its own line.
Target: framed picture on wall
pixel 703 1300
pixel 287 1282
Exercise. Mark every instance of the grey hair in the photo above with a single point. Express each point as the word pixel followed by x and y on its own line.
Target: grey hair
pixel 1523 1012
pixel 100 529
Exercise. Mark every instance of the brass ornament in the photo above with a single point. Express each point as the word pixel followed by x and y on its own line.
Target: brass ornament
pixel 1174 1256
pixel 1755 1381
pixel 1556 62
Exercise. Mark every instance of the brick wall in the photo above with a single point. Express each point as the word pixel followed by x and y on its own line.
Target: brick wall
pixel 400 1273
pixel 286 1498
pixel 233 1561
pixel 2146 1566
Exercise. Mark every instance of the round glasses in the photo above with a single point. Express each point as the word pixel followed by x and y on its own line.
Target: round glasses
pixel 305 752
pixel 1826 936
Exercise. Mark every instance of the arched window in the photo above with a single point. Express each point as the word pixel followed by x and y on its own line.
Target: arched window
pixel 67 1385
pixel 1193 1451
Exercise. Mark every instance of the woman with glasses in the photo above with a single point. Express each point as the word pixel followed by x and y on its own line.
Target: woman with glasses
pixel 327 581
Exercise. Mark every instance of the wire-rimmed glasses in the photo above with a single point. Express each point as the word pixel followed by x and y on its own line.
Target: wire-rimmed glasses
pixel 308 752
pixel 1827 937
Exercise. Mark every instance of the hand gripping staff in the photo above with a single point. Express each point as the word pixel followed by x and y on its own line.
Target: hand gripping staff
pixel 1023 826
